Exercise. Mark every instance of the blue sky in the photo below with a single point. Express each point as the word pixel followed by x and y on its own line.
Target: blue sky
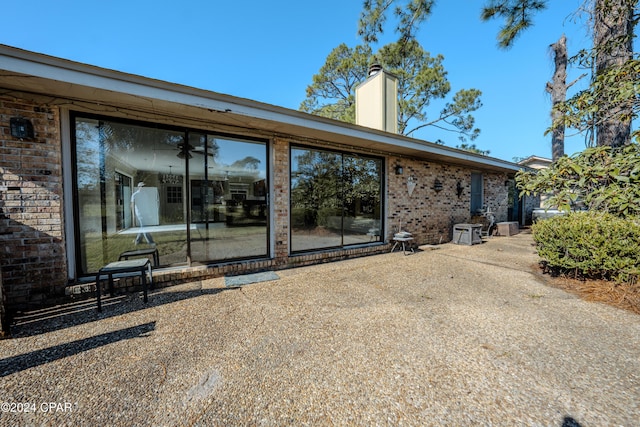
pixel 268 51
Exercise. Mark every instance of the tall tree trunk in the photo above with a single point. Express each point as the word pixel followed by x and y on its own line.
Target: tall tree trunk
pixel 613 31
pixel 558 91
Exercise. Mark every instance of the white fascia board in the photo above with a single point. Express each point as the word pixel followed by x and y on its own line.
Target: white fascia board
pixel 97 78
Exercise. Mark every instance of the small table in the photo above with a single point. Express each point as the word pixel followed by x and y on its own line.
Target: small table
pixel 142 266
pixel 140 252
pixel 402 240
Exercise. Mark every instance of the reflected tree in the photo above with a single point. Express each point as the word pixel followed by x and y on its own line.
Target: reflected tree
pixel 333 184
pixel 248 162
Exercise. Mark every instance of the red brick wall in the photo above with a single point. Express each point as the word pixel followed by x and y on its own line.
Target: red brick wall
pixel 280 199
pixel 32 255
pixel 429 214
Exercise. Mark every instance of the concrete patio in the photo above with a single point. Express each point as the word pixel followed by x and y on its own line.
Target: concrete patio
pixel 452 335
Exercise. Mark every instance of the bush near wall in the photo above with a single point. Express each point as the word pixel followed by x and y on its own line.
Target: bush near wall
pixel 593 245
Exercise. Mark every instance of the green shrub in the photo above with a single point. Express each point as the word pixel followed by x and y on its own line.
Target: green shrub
pixel 590 245
pixel 303 218
pixel 603 179
pixel 327 215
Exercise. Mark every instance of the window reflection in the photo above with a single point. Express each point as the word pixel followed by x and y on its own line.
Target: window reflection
pixel 118 175
pixel 335 199
pixel 362 189
pixel 134 192
pixel 229 199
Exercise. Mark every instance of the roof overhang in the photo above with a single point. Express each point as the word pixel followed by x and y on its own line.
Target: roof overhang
pixel 64 80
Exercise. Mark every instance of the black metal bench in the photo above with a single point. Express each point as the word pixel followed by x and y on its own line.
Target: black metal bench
pixel 141 266
pixel 141 252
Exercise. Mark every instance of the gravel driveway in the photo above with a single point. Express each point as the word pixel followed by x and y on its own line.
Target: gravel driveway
pixel 458 335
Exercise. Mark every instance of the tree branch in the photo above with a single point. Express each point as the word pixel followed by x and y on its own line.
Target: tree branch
pixel 576 80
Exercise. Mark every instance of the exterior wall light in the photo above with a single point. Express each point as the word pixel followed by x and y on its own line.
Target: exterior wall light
pixel 437 185
pixel 459 189
pixel 21 127
pixel 399 170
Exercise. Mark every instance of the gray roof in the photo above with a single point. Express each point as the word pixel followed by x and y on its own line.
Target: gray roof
pixel 63 81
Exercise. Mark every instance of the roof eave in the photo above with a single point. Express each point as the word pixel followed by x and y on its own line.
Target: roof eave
pixel 47 68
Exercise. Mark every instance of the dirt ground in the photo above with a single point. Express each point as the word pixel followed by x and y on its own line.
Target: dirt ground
pixel 625 296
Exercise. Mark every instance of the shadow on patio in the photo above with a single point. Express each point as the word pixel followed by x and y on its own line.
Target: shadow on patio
pixel 76 313
pixel 21 362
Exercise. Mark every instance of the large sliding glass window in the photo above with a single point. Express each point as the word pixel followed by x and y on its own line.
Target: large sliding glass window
pixel 335 199
pixel 228 198
pixel 193 196
pixel 122 194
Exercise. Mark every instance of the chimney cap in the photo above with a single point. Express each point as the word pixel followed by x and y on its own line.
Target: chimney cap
pixel 374 68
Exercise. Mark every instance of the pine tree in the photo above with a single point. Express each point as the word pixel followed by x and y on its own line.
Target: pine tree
pixel 613 27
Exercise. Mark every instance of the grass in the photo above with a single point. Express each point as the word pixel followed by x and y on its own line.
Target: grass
pixel 167 243
pixel 172 245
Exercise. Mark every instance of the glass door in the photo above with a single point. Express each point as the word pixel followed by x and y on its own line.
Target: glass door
pixel 130 183
pixel 228 202
pixel 336 199
pixel 192 196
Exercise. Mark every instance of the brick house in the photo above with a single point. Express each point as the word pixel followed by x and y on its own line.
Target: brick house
pixel 94 162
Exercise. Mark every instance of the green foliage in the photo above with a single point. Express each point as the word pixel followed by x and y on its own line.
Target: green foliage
pixel 302 217
pixel 613 99
pixel 421 79
pixel 517 15
pixel 325 214
pixel 616 86
pixel 332 93
pixel 593 245
pixel 603 179
pixel 410 14
pixel 329 185
pixel 316 179
pixel 249 162
pixel 473 149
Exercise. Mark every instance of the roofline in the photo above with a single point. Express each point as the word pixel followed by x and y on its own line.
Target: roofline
pixel 75 73
pixel 534 157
